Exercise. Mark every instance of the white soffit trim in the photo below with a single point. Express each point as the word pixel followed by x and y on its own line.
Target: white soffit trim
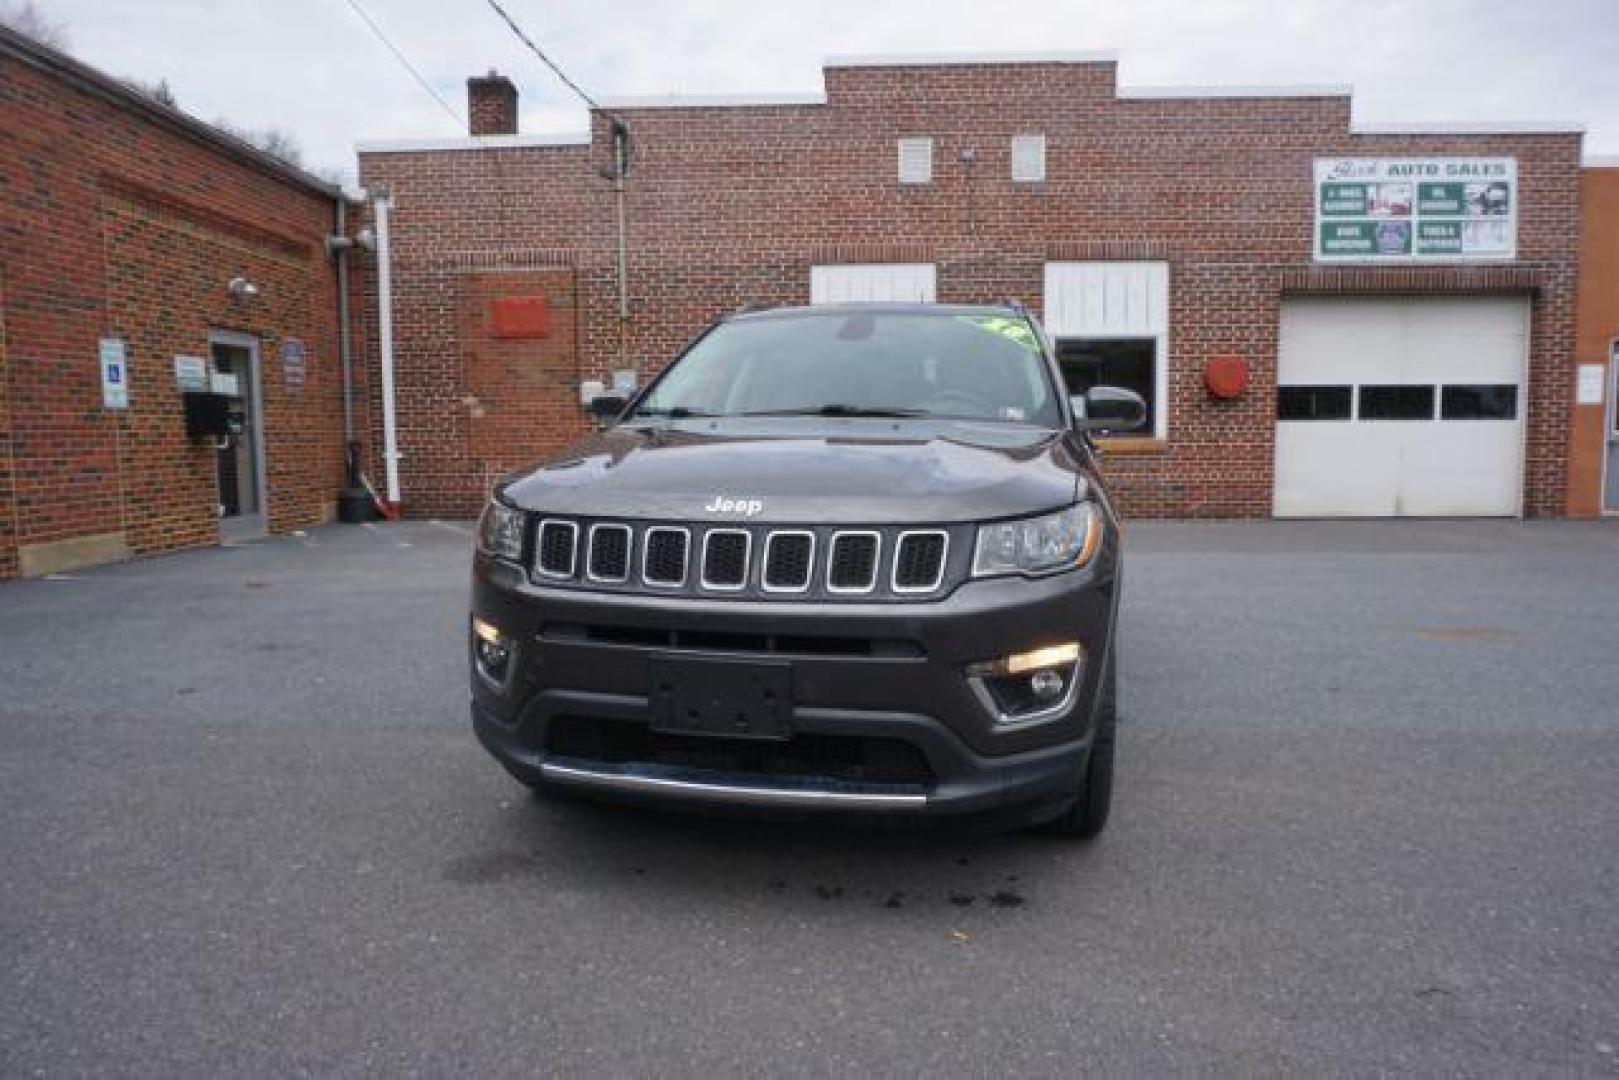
pixel 473 142
pixel 1100 56
pixel 1471 127
pixel 1301 90
pixel 1601 161
pixel 708 101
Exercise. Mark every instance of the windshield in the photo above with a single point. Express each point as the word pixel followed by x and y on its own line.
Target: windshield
pixel 970 366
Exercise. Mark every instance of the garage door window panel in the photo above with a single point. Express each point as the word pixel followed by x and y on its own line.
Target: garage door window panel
pixel 1396 403
pixel 1307 403
pixel 1486 401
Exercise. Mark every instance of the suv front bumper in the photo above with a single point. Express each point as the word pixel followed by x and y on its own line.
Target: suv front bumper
pixel 581 656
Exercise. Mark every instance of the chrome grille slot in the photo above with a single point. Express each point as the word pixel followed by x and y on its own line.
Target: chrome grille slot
pixel 609 558
pixel 664 551
pixel 852 564
pixel 919 561
pixel 725 559
pixel 557 549
pixel 789 561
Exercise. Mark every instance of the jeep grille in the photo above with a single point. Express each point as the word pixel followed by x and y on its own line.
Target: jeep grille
pixel 751 561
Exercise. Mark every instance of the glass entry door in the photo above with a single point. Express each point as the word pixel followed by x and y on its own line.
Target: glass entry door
pixel 239 456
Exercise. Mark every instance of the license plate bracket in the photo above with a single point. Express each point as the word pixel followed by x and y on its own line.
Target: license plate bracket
pixel 713 696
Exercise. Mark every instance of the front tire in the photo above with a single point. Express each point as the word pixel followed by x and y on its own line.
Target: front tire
pixel 1085 819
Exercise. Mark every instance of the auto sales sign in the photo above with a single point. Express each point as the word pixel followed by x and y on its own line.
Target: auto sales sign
pixel 1416 209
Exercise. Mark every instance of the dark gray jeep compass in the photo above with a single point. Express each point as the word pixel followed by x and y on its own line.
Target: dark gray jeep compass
pixel 853 559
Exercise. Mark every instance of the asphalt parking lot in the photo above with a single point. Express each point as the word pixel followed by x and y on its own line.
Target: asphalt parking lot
pixel 1367 822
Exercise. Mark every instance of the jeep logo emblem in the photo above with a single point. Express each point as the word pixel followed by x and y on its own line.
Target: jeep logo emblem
pixel 723 505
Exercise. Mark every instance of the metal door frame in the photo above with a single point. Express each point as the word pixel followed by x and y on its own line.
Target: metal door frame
pixel 247 526
pixel 1610 427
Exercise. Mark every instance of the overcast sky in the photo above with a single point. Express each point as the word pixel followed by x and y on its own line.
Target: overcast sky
pixel 312 68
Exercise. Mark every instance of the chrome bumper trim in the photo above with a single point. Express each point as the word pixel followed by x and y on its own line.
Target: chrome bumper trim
pixel 743 795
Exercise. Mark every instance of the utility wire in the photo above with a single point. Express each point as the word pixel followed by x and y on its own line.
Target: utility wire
pixel 548 62
pixel 405 63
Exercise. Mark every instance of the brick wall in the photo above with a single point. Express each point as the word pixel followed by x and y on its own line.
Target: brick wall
pixel 122 224
pixel 732 205
pixel 8 501
pixel 1598 330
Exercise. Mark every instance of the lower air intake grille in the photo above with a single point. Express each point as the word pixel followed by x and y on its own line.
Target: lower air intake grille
pixel 844 758
pixel 725 559
pixel 610 552
pixel 919 562
pixel 556 549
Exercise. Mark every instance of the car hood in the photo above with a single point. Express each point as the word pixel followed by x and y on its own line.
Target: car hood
pixel 852 470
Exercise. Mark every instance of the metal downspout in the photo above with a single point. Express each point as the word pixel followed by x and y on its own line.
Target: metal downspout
pixel 385 341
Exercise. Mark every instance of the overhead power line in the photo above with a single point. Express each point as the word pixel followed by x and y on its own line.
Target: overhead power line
pixel 404 62
pixel 546 60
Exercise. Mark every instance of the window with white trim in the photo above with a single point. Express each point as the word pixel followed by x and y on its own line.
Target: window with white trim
pixel 916 161
pixel 1110 324
pixel 1028 159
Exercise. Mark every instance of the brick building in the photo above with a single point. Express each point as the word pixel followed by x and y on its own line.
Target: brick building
pixel 140 250
pixel 1593 482
pixel 1397 304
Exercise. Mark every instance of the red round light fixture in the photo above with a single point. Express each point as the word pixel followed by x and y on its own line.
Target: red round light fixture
pixel 1226 377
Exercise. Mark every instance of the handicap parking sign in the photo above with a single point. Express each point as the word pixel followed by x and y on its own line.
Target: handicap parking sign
pixel 114 381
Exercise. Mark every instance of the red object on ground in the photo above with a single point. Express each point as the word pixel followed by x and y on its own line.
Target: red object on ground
pixel 1226 376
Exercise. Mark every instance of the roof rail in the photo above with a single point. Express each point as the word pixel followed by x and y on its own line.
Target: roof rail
pixel 751 306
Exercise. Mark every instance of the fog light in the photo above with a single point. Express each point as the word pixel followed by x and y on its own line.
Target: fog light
pixel 1045 685
pixel 1029 686
pixel 492 651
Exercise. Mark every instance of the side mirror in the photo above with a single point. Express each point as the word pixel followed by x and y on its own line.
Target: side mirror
pixel 1108 408
pixel 605 408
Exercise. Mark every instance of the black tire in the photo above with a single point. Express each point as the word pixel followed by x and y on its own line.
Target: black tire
pixel 1085 819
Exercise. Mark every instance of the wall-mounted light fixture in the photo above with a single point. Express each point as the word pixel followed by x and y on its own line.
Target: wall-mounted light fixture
pixel 242 289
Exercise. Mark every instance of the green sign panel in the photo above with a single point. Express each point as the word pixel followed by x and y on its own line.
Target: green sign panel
pixel 1442 199
pixel 1347 238
pixel 1368 239
pixel 1439 238
pixel 1343 200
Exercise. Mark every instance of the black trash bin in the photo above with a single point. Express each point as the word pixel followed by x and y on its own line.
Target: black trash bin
pixel 354 505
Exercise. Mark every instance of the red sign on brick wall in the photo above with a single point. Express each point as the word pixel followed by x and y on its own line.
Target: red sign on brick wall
pixel 519 316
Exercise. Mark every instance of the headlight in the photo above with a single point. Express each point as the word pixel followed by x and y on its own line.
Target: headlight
pixel 1065 540
pixel 500 532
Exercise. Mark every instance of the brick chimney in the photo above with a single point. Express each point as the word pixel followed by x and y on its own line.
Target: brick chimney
pixel 491 104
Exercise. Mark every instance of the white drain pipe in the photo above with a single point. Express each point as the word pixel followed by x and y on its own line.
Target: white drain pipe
pixel 385 341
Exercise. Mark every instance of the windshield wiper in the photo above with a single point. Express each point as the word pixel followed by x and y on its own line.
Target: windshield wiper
pixel 673 412
pixel 841 410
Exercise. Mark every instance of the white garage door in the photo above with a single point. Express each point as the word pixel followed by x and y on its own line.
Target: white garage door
pixel 1401 407
pixel 883 282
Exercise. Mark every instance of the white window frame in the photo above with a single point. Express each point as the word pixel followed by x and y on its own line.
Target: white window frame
pixel 1120 319
pixel 921 149
pixel 1027 151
